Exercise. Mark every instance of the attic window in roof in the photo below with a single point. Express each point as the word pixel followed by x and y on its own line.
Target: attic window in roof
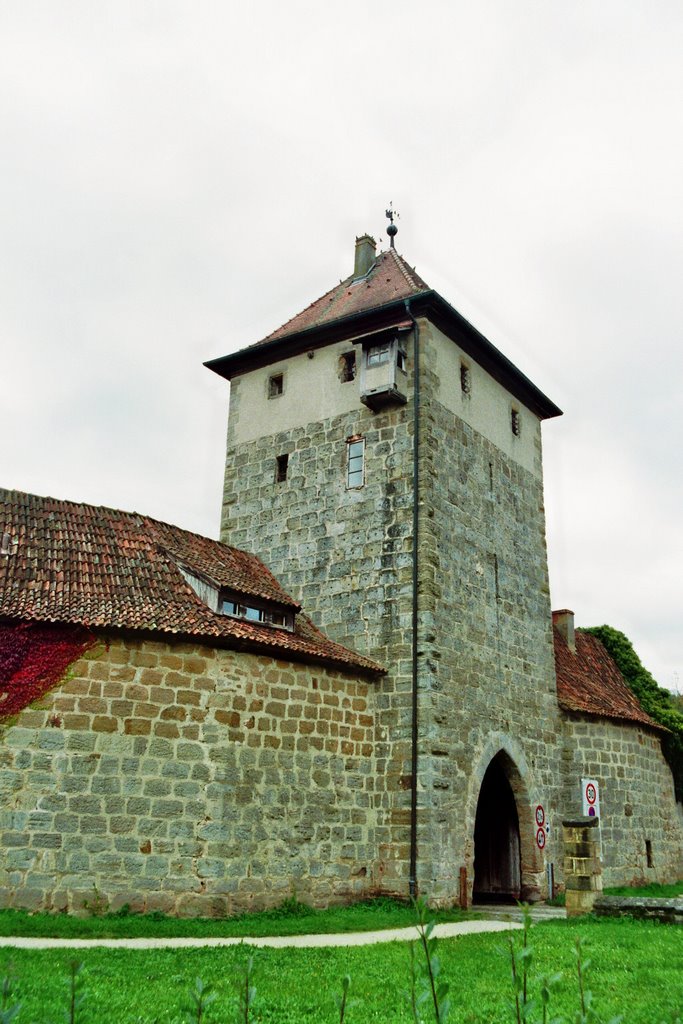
pixel 261 614
pixel 276 385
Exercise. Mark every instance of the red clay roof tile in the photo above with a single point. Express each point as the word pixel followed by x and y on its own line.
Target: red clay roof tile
pixel 101 567
pixel 389 279
pixel 589 681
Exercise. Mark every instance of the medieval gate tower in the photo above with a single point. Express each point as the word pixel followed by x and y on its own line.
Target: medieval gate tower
pixel 384 460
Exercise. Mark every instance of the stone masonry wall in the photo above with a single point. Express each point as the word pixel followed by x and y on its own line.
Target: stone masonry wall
pixel 189 780
pixel 637 802
pixel 487 661
pixel 346 554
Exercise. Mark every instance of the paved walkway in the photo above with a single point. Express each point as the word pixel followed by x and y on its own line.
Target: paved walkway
pixel 498 919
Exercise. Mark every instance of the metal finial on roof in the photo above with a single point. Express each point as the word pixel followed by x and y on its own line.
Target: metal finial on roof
pixel 392 230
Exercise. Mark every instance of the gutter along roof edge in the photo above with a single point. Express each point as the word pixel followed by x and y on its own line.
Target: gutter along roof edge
pixel 354 666
pixel 444 316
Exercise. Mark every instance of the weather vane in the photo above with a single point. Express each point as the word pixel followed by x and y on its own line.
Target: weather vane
pixel 392 230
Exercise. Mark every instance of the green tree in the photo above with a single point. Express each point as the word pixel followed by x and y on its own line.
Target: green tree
pixel 659 703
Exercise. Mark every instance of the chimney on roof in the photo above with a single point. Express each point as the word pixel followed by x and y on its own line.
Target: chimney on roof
pixel 365 255
pixel 564 621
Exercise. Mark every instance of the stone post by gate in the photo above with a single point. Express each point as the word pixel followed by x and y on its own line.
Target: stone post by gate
pixel 582 866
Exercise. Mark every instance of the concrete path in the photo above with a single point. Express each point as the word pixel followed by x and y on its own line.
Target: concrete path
pixel 499 918
pixel 442 931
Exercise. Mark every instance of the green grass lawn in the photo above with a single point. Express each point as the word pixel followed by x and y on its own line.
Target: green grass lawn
pixel 654 889
pixel 291 918
pixel 637 970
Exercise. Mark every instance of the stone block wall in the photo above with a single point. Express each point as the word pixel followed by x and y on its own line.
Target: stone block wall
pixel 346 555
pixel 190 780
pixel 488 663
pixel 486 669
pixel 641 824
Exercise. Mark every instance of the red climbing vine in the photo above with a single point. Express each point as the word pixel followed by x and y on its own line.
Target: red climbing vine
pixel 34 658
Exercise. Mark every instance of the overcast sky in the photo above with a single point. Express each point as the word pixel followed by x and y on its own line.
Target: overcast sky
pixel 178 178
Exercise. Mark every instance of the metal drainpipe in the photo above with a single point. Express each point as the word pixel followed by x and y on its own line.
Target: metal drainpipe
pixel 412 883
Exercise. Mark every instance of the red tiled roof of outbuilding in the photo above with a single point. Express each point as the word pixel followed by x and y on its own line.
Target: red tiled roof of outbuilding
pixel 100 567
pixel 588 681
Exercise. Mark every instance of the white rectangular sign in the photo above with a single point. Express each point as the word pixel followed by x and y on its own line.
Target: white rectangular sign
pixel 590 796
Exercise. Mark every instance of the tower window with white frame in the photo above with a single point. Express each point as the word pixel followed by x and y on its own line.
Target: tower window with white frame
pixel 355 462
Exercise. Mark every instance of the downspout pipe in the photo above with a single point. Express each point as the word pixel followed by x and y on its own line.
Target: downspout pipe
pixel 412 882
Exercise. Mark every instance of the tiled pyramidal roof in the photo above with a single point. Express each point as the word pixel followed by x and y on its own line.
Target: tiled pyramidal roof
pixel 70 563
pixel 588 681
pixel 389 279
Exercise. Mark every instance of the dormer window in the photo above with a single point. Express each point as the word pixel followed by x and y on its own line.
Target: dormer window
pixel 383 377
pixel 262 614
pixel 378 354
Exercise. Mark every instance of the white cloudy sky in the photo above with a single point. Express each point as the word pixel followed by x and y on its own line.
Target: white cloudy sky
pixel 178 177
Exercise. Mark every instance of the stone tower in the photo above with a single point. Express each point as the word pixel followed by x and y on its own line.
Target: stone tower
pixel 384 460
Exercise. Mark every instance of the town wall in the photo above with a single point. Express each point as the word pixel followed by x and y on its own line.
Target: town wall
pixel 637 802
pixel 190 780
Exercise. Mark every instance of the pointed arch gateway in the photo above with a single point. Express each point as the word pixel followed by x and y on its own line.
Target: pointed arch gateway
pixel 504 860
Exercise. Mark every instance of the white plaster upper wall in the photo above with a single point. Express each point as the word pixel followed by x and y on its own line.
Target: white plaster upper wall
pixel 488 406
pixel 312 392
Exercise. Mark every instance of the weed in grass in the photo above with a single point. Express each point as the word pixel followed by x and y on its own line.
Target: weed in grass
pixel 98 905
pixel 76 992
pixel 523 1005
pixel 432 986
pixel 8 1008
pixel 247 995
pixel 342 1001
pixel 201 996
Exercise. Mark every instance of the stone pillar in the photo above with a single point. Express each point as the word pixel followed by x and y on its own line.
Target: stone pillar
pixel 582 867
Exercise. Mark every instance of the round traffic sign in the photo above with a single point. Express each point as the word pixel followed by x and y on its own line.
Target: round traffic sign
pixel 540 815
pixel 591 793
pixel 540 838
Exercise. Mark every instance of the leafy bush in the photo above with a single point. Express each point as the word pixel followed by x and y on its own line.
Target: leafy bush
pixel 659 703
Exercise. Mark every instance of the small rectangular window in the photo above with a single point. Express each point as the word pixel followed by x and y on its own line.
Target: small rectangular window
pixel 648 853
pixel 401 360
pixel 347 367
pixel 378 354
pixel 465 379
pixel 276 385
pixel 355 454
pixel 281 465
pixel 515 422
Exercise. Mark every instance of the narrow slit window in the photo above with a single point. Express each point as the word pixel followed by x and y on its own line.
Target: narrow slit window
pixel 648 853
pixel 515 422
pixel 281 466
pixel 465 379
pixel 276 385
pixel 355 466
pixel 347 367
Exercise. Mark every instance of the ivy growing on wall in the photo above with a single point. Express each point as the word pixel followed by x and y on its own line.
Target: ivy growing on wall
pixel 659 703
pixel 34 658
